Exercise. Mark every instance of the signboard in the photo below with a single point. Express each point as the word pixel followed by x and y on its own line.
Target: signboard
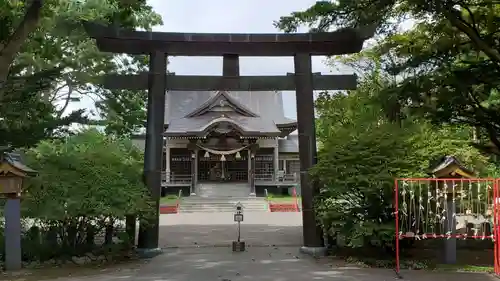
pixel 238 217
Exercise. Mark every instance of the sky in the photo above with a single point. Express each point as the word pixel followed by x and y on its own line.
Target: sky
pixel 241 16
pixel 223 16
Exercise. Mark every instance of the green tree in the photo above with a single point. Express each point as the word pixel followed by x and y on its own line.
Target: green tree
pixel 86 174
pixel 26 119
pixel 362 152
pixel 38 38
pixel 85 184
pixel 447 64
pixel 22 23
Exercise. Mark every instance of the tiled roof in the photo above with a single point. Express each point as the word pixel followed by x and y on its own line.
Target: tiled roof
pixel 200 124
pixel 267 105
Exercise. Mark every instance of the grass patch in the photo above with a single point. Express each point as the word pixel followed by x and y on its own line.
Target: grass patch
pixel 414 264
pixel 464 268
pixel 282 198
pixel 168 200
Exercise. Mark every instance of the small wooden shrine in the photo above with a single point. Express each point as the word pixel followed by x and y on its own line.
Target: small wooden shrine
pixel 12 172
pixel 451 167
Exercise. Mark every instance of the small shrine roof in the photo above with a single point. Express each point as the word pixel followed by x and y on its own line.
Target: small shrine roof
pixel 451 165
pixel 15 160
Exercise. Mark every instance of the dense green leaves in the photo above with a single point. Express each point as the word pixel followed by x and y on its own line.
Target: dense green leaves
pixel 25 118
pixel 88 175
pixel 59 41
pixel 361 154
pixel 447 61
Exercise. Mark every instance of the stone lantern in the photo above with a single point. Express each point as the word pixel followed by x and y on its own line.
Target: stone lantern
pixel 12 174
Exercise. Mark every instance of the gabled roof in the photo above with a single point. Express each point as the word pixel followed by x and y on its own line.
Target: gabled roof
pixel 450 165
pixel 222 98
pixel 201 125
pixel 14 160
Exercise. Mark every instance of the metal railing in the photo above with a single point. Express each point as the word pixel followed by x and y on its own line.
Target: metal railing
pixel 173 178
pixel 169 177
pixel 276 177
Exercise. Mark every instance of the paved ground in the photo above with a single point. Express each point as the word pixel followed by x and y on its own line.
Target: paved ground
pixel 276 258
pixel 219 229
pixel 258 264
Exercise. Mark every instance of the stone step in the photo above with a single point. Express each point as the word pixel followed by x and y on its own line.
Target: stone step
pixel 222 190
pixel 222 203
pixel 230 206
pixel 201 209
pixel 197 204
pixel 222 199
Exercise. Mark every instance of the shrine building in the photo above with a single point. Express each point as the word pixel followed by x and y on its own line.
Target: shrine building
pixel 228 137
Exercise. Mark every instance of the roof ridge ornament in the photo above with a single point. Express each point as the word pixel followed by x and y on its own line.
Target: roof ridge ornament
pixel 229 101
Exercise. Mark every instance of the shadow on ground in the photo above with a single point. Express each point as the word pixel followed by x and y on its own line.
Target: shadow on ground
pixel 262 264
pixel 197 248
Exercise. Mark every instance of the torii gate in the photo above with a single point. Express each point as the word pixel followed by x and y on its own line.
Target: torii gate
pixel 230 46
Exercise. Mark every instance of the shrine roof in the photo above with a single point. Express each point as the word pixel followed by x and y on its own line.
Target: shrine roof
pixel 222 98
pixel 267 105
pixel 452 162
pixel 200 125
pixel 15 160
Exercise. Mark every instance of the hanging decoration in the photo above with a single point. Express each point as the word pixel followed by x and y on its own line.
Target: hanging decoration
pixel 223 158
pixel 238 156
pixel 222 152
pixel 424 206
pixel 207 155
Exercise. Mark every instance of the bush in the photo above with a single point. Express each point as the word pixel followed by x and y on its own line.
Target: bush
pixel 87 185
pixel 361 154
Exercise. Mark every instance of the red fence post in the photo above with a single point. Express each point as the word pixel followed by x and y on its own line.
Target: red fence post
pixel 294 193
pixel 496 226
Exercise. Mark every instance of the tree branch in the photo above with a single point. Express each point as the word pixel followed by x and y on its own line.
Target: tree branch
pixel 68 98
pixel 55 95
pixel 456 21
pixel 9 49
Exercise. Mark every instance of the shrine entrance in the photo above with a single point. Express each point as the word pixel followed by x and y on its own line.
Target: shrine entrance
pixel 230 168
pixel 159 45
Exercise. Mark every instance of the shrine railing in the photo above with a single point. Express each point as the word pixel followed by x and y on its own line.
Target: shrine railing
pixel 228 176
pixel 169 177
pixel 276 177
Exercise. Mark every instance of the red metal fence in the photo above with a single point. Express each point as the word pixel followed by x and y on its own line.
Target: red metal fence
pixel 430 208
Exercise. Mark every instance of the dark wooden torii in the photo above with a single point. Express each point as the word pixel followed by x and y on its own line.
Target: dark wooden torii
pixel 230 46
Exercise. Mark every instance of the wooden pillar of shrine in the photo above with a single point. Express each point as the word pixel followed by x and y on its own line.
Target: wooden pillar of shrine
pixel 313 240
pixel 149 232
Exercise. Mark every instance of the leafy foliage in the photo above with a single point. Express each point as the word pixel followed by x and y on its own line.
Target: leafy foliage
pixel 25 118
pixel 86 185
pixel 447 63
pixel 59 41
pixel 86 174
pixel 361 154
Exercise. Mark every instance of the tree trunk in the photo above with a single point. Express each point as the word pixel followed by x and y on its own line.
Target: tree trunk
pixel 12 45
